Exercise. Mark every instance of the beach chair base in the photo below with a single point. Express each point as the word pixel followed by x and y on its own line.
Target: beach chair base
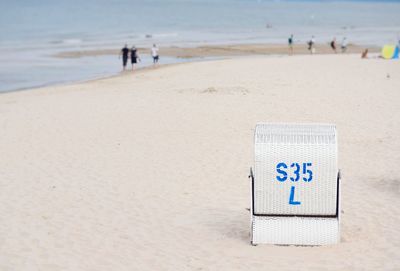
pixel 294 230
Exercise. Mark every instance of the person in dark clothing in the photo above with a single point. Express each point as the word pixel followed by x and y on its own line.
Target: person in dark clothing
pixel 290 42
pixel 333 45
pixel 124 52
pixel 311 46
pixel 134 57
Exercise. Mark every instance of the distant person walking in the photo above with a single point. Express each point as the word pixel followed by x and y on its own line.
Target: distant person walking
pixel 311 45
pixel 124 52
pixel 290 42
pixel 344 45
pixel 364 54
pixel 134 57
pixel 333 45
pixel 154 54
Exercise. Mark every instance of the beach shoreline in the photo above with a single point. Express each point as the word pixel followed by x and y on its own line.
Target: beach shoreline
pixel 139 70
pixel 189 54
pixel 225 50
pixel 127 72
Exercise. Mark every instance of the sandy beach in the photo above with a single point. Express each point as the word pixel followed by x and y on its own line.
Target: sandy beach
pixel 148 170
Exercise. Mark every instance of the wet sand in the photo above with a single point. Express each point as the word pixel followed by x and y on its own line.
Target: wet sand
pixel 223 50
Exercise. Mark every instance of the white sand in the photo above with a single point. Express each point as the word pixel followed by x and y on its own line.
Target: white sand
pixel 149 171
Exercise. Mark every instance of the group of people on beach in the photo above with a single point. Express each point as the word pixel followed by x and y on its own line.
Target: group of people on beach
pixel 311 45
pixel 343 45
pixel 134 56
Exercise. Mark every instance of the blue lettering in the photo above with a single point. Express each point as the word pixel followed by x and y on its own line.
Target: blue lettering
pixel 291 198
pixel 296 172
pixel 307 171
pixel 283 173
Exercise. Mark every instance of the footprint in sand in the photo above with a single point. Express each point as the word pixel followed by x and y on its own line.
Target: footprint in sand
pixel 225 90
pixel 217 90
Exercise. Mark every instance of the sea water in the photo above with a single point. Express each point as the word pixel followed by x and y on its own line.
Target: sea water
pixel 33 31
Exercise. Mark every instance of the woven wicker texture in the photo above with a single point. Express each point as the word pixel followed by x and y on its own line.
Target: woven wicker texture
pixel 295 230
pixel 312 144
pixel 290 206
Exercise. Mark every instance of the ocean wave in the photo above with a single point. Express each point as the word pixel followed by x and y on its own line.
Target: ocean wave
pixel 158 35
pixel 67 41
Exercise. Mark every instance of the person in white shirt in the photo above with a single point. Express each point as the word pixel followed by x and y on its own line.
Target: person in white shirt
pixel 344 45
pixel 154 54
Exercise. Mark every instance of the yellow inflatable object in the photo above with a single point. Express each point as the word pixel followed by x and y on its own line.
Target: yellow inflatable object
pixel 388 51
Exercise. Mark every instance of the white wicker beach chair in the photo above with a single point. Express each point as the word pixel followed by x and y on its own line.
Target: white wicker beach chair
pixel 295 185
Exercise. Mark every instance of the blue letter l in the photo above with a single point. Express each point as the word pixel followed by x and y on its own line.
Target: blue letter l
pixel 291 199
